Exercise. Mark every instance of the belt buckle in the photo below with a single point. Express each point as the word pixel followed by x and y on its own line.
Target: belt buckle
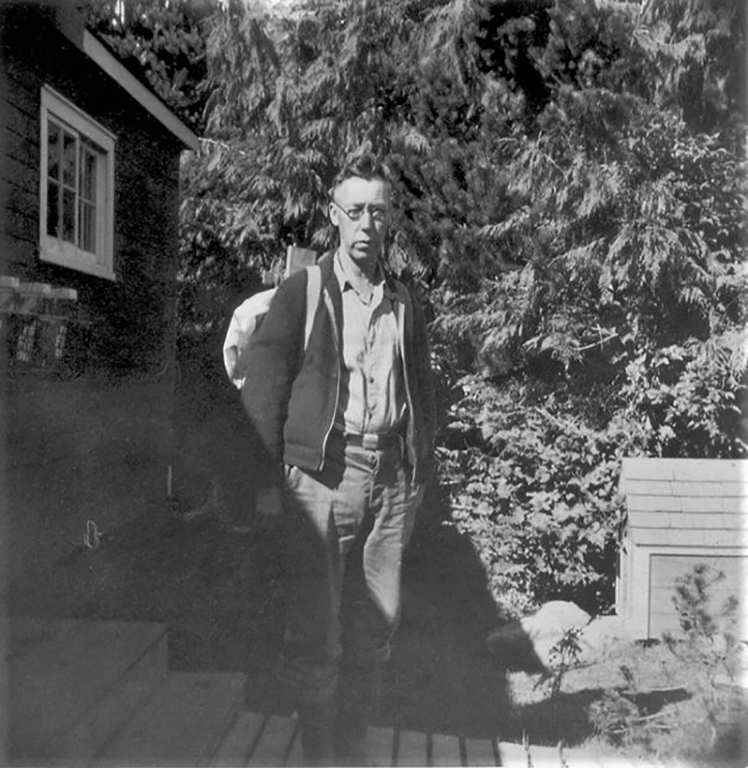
pixel 370 442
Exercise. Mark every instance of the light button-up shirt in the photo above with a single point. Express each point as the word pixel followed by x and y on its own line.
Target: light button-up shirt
pixel 373 392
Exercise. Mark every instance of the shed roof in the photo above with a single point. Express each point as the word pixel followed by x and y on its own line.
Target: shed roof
pixel 687 486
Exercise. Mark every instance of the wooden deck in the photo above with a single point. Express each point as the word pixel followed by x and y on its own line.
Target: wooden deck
pixel 260 740
pixel 91 693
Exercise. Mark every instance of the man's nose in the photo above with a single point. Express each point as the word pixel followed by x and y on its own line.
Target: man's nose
pixel 367 219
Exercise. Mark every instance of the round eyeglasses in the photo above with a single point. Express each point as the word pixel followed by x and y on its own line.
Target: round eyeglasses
pixel 356 213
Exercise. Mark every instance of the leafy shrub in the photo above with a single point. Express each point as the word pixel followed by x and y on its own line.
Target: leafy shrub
pixel 538 499
pixel 697 617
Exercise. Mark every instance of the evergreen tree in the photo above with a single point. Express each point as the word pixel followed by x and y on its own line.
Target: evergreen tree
pixel 569 198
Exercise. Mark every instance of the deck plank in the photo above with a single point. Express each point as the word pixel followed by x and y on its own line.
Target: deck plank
pixel 295 757
pixel 379 746
pixel 182 724
pixel 259 740
pixel 445 750
pixel 558 756
pixel 479 752
pixel 275 742
pixel 411 749
pixel 51 658
pixel 513 755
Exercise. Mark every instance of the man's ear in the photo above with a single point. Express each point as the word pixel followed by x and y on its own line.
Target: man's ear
pixel 332 212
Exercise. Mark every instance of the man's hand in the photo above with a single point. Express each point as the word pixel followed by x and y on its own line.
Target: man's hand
pixel 269 506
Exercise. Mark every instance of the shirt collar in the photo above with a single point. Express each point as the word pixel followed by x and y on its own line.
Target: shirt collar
pixel 341 265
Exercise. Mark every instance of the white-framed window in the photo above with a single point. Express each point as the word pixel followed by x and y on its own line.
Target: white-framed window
pixel 76 220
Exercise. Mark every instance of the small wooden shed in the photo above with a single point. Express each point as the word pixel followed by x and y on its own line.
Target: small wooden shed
pixel 681 513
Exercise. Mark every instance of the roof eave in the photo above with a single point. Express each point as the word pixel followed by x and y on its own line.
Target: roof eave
pixel 96 51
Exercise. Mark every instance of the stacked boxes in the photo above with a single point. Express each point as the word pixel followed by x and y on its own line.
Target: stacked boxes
pixel 61 306
pixel 41 327
pixel 30 307
pixel 8 288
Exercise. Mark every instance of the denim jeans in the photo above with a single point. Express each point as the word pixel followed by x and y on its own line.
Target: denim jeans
pixel 347 528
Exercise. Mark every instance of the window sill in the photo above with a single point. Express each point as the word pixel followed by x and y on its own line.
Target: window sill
pixel 73 258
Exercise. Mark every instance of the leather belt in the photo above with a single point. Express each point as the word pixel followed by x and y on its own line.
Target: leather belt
pixel 371 441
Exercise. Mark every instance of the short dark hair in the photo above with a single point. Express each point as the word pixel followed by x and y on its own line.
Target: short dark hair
pixel 362 165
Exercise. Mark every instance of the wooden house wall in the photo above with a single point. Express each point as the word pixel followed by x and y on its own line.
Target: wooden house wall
pixel 133 313
pixel 95 446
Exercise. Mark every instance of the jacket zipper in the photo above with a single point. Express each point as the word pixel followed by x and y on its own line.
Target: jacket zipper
pixel 408 396
pixel 331 311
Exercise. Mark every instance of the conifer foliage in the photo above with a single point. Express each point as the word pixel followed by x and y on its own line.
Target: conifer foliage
pixel 570 202
pixel 161 41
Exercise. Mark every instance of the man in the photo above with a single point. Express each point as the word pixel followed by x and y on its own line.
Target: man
pixel 344 443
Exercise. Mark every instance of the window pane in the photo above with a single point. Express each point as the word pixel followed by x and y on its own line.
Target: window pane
pixel 88 175
pixel 87 224
pixel 53 151
pixel 53 208
pixel 68 215
pixel 69 158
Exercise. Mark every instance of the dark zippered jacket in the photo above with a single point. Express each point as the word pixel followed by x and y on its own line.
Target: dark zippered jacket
pixel 292 396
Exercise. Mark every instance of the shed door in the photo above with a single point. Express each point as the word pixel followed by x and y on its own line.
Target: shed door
pixel 666 569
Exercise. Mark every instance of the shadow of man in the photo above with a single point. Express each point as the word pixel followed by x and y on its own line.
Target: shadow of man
pixel 441 678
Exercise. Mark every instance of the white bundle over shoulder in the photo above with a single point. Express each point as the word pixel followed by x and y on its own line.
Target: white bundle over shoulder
pixel 248 316
pixel 243 323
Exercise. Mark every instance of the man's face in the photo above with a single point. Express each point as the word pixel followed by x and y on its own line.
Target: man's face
pixel 363 239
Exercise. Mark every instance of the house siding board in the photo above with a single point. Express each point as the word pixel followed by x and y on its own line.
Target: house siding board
pixel 649 488
pixel 74 444
pixel 18 117
pixel 24 148
pixel 660 489
pixel 663 537
pixel 20 174
pixel 684 470
pixel 14 253
pixel 654 504
pixel 21 199
pixel 680 512
pixel 736 504
pixel 706 520
pixel 723 489
pixel 23 173
pixel 22 224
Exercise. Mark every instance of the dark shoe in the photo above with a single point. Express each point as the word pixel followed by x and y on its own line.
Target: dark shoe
pixel 317 725
pixel 350 739
pixel 358 703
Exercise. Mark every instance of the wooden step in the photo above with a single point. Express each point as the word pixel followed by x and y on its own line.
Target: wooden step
pixel 277 740
pixel 239 742
pixel 182 724
pixel 73 682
